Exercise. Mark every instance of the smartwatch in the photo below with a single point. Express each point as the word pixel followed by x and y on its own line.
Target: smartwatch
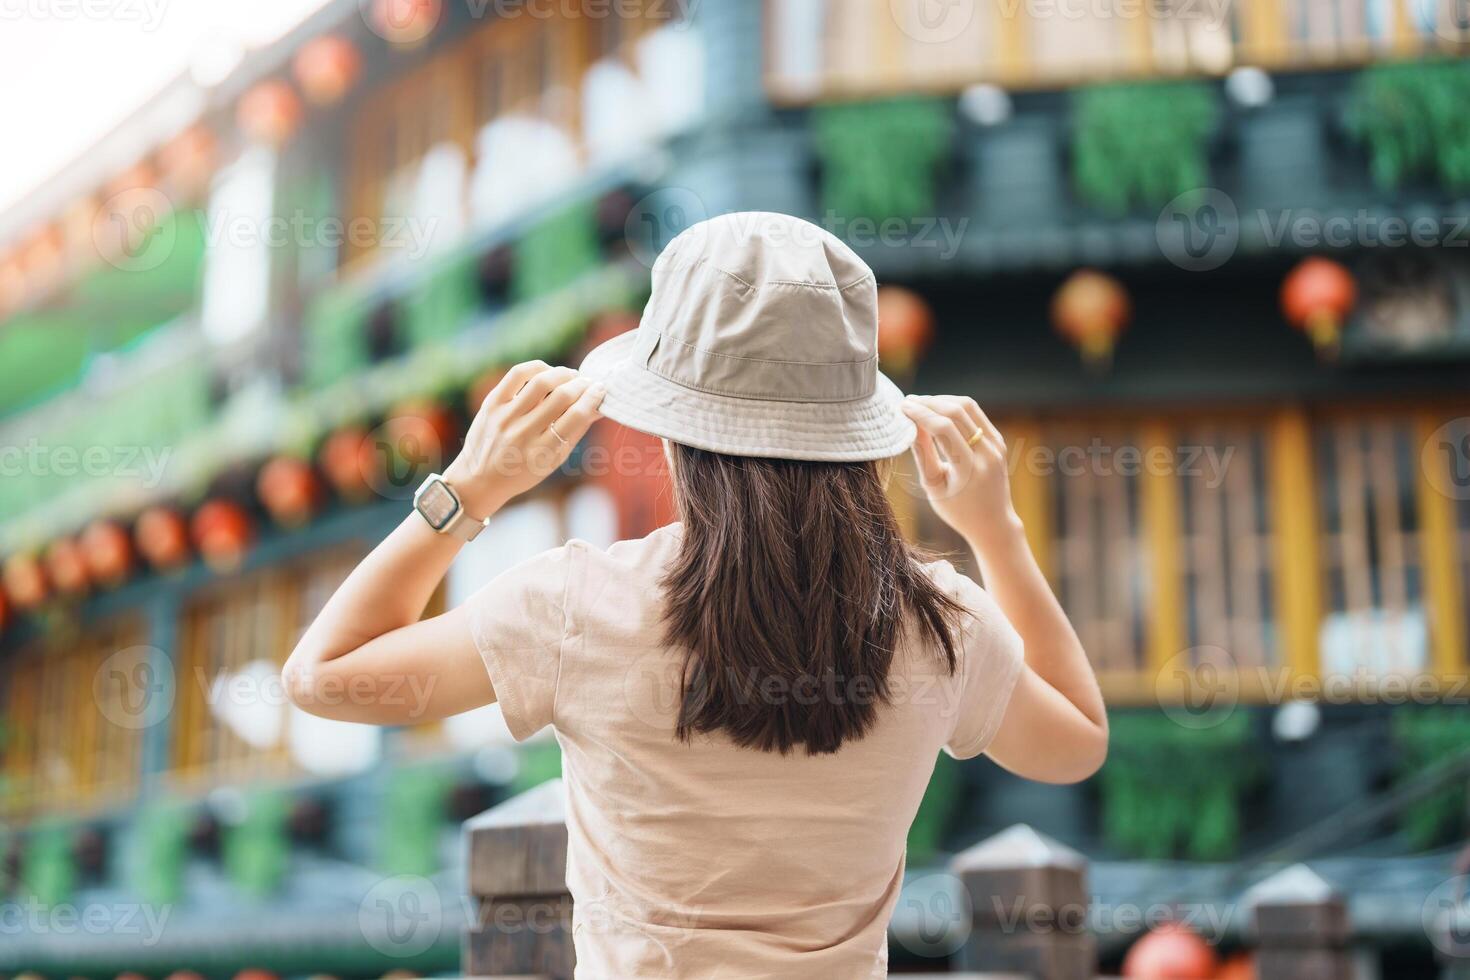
pixel 438 504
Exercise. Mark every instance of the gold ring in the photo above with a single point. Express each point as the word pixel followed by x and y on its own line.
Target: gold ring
pixel 552 427
pixel 975 438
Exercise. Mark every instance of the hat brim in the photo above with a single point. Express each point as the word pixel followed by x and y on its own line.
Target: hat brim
pixel 862 429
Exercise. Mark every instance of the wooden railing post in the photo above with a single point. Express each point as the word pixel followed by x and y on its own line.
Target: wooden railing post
pixel 1301 927
pixel 1029 908
pixel 517 874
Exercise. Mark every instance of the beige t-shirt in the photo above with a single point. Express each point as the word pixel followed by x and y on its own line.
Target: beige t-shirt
pixel 707 860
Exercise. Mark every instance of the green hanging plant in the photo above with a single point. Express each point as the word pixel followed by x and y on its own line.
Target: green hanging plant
pixel 1141 144
pixel 1169 791
pixel 334 336
pixel 556 252
pixel 413 819
pixel 48 872
pixel 160 850
pixel 539 763
pixel 443 300
pixel 1414 121
pixel 257 850
pixel 1425 739
pixel 881 159
pixel 926 833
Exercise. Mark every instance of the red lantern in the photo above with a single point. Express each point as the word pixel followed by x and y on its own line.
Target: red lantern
pixel 290 490
pixel 905 329
pixel 1171 952
pixel 4 612
pixel 255 974
pixel 108 552
pixel 269 113
pixel 1241 966
pixel 1317 297
pixel 326 67
pixel 184 975
pixel 1090 310
pixel 221 531
pixel 405 22
pixel 481 389
pixel 188 158
pixel 25 581
pixel 66 566
pixel 140 174
pixel 163 537
pixel 341 458
pixel 422 433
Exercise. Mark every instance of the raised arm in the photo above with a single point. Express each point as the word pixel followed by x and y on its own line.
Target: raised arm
pixel 368 656
pixel 1055 728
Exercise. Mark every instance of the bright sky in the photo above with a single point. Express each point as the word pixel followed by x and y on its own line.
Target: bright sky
pixel 70 69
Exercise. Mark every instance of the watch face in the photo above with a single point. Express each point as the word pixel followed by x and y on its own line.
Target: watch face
pixel 437 505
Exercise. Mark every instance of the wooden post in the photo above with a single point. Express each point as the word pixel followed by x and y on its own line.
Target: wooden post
pixel 517 873
pixel 1028 906
pixel 1301 927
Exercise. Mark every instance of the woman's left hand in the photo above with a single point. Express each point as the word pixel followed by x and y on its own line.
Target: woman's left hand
pixel 524 430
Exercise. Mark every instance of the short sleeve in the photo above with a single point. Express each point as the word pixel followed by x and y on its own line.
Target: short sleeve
pixel 990 660
pixel 518 622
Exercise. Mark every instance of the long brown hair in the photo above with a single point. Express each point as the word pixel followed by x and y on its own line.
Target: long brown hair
pixel 791 592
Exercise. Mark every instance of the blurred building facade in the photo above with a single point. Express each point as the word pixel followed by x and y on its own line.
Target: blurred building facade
pixel 1206 267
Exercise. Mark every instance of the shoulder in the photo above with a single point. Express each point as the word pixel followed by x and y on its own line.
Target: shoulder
pixel 649 552
pixel 985 617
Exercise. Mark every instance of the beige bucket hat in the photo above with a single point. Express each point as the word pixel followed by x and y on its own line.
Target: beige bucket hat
pixel 760 338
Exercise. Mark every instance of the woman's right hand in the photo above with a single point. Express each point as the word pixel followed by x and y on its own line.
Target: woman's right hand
pixel 968 485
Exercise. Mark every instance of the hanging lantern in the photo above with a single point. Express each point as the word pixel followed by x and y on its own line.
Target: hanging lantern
pixel 422 433
pixel 405 22
pixel 1171 951
pixel 44 258
pixel 12 282
pixel 290 490
pixel 1090 310
pixel 108 552
pixel 1317 297
pixel 163 537
pixel 188 159
pixel 341 458
pixel 66 567
pixel 326 68
pixel 221 530
pixel 269 113
pixel 905 329
pixel 25 581
pixel 140 174
pixel 1241 966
